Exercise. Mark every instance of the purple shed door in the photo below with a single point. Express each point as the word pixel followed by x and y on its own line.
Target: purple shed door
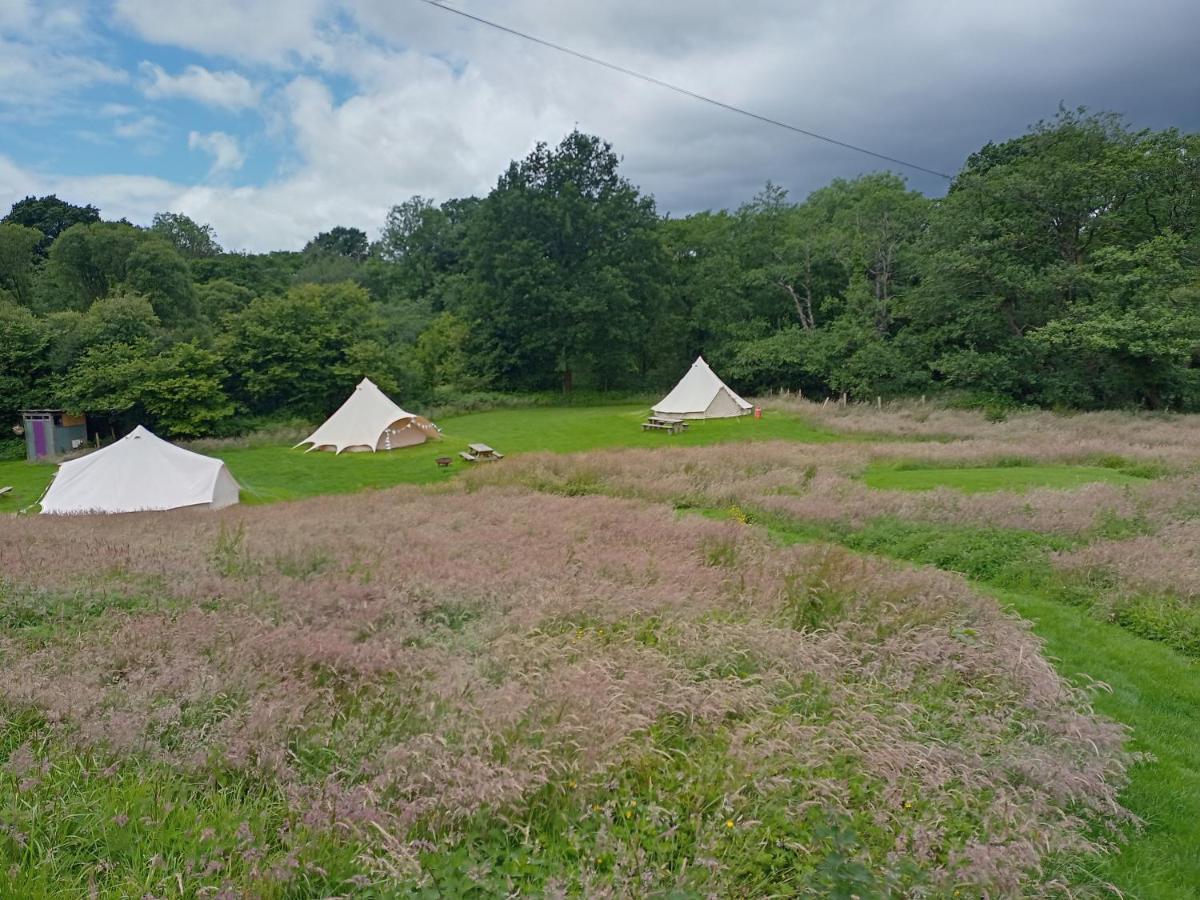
pixel 39 438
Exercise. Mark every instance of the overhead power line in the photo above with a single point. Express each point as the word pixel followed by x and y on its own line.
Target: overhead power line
pixel 437 4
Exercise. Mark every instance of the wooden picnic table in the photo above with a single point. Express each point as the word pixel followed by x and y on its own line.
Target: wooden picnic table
pixel 480 453
pixel 664 423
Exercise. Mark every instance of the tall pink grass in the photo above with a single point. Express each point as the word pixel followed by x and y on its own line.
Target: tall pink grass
pixel 457 652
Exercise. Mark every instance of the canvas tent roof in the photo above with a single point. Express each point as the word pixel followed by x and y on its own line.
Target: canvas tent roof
pixel 139 472
pixel 369 420
pixel 700 394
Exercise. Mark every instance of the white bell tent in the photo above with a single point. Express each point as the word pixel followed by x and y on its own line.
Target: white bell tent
pixel 369 420
pixel 700 394
pixel 139 472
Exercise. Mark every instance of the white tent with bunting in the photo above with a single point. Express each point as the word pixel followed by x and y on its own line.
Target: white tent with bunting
pixel 370 420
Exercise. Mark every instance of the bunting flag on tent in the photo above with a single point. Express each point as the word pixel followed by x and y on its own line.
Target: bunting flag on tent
pixel 700 394
pixel 139 472
pixel 369 420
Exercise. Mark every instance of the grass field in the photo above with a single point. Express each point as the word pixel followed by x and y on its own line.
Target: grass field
pixel 267 474
pixel 541 679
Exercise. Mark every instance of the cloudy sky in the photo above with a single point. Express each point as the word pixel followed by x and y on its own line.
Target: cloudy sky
pixel 275 119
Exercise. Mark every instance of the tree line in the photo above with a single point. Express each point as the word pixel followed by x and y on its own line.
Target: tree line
pixel 1061 269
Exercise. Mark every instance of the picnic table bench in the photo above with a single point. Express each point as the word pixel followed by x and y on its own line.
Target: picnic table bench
pixel 664 423
pixel 480 453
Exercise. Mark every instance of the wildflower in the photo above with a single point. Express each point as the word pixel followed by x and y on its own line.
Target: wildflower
pixel 628 814
pixel 908 804
pixel 729 823
pixel 120 820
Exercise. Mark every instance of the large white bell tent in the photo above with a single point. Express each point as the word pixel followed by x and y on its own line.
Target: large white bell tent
pixel 369 420
pixel 139 472
pixel 700 394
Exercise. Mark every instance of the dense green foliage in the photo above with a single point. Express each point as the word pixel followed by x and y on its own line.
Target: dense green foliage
pixel 1062 269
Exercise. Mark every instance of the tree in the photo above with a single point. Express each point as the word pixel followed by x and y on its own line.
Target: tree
pixel 18 257
pixel 874 223
pixel 705 300
pixel 568 264
pixel 50 216
pixel 442 353
pixel 156 271
pixel 1134 342
pixel 219 297
pixel 1018 257
pixel 426 245
pixel 351 243
pixel 291 351
pixel 85 263
pixel 179 391
pixel 123 318
pixel 183 390
pixel 261 273
pixel 190 239
pixel 24 340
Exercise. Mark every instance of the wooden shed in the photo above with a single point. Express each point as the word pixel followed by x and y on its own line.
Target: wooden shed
pixel 52 432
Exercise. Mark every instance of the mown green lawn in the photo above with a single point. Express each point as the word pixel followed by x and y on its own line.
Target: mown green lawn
pixel 978 479
pixel 267 474
pixel 1156 692
pixel 27 481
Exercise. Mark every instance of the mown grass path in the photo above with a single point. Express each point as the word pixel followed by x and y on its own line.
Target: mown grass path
pixel 1156 692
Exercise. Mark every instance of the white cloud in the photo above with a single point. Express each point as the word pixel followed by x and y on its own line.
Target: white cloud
pixel 229 90
pixel 116 110
pixel 32 76
pixel 227 155
pixel 258 30
pixel 139 129
pixel 118 196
